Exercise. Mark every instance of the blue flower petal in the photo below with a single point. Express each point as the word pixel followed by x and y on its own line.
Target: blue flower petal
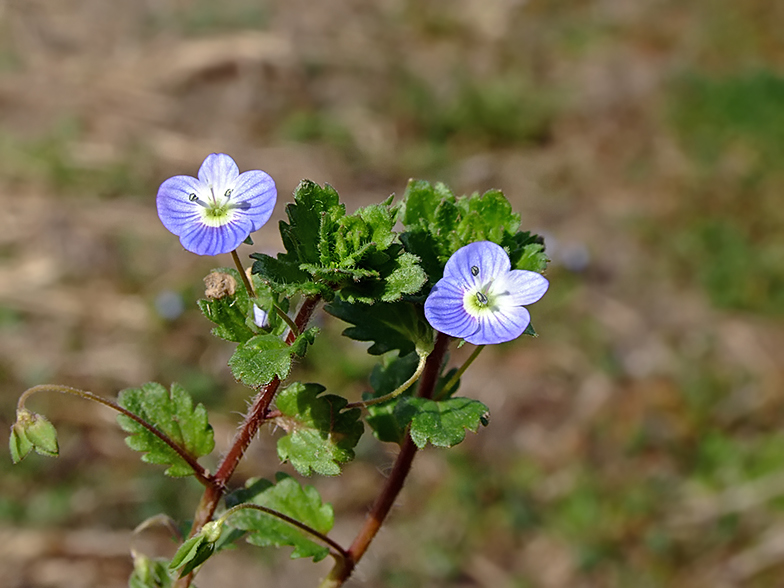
pixel 218 170
pixel 445 312
pixel 256 189
pixel 520 287
pixel 500 326
pixel 175 209
pixel 486 258
pixel 205 240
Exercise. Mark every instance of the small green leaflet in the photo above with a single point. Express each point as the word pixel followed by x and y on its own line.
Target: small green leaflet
pixel 320 435
pixel 173 414
pixel 287 497
pixel 442 423
pixel 263 357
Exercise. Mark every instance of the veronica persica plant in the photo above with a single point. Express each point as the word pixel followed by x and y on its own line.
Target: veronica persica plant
pixel 358 268
pixel 480 298
pixel 219 209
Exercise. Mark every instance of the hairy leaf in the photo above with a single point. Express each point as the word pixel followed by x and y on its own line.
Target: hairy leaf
pixel 329 251
pixel 320 435
pixel 264 357
pixel 172 413
pixel 287 497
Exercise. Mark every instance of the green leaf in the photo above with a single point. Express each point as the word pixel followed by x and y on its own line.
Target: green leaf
pixel 260 359
pixel 387 376
pixel 320 435
pixel 264 357
pixel 286 277
pixel 149 573
pixel 393 326
pixel 173 414
pixel 312 204
pixel 442 423
pixel 328 251
pixel 287 497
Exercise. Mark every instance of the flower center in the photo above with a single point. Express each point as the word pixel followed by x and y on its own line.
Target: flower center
pixel 217 211
pixel 480 300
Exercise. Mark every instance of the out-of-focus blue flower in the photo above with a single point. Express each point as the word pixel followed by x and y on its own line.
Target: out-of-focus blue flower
pixel 217 211
pixel 480 298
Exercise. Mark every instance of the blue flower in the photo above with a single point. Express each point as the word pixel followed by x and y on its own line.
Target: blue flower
pixel 480 298
pixel 217 211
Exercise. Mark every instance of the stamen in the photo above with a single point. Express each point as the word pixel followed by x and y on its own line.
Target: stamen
pixel 194 198
pixel 474 270
pixel 227 194
pixel 481 298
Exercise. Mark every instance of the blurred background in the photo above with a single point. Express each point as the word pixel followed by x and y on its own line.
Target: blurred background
pixel 637 442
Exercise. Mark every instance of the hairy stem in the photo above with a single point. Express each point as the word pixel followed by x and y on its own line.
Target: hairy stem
pixel 380 509
pixel 258 413
pixel 201 474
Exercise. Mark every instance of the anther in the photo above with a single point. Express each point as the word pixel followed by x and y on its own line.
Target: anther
pixel 193 197
pixel 481 298
pixel 227 194
pixel 474 270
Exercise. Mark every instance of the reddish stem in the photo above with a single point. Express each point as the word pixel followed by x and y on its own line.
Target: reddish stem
pixel 257 414
pixel 394 484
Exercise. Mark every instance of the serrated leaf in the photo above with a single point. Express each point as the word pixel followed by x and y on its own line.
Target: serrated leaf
pixel 386 377
pixel 328 251
pixel 320 434
pixel 173 414
pixel 287 277
pixel 149 573
pixel 301 234
pixel 301 503
pixel 260 359
pixel 442 423
pixel 392 326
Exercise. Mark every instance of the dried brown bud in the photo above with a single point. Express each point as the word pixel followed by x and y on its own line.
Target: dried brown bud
pixel 219 285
